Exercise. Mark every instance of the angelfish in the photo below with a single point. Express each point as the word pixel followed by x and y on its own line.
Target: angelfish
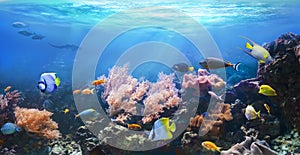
pixel 257 52
pixel 215 63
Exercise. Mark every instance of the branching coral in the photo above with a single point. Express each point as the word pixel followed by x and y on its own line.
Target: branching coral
pixel 36 121
pixel 162 94
pixel 8 102
pixel 125 93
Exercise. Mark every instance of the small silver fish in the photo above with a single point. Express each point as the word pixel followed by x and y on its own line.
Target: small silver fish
pixel 19 25
pixel 25 33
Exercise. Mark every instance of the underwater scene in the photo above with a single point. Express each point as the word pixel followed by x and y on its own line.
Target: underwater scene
pixel 120 77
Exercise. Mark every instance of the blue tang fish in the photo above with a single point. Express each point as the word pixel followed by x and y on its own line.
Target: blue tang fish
pixel 48 82
pixel 162 129
pixel 9 128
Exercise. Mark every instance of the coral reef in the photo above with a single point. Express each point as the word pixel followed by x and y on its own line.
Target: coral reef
pixel 8 103
pixel 215 127
pixel 125 93
pixel 289 143
pixel 250 146
pixel 283 75
pixel 36 121
pixel 64 147
pixel 203 82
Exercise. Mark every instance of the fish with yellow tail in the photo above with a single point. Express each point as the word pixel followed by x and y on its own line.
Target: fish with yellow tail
pixel 251 113
pixel 257 52
pixel 162 130
pixel 267 90
pixel 211 146
pixel 182 67
pixel 215 63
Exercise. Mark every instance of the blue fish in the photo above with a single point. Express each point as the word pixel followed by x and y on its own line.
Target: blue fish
pixel 10 128
pixel 48 82
pixel 204 114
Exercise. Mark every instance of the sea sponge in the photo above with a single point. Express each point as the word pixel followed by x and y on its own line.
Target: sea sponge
pixel 36 121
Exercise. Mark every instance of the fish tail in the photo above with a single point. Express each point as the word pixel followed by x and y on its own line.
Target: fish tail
pixel 218 149
pixel 92 90
pixel 57 81
pixel 191 68
pixel 258 114
pixel 248 45
pixel 235 66
pixel 173 127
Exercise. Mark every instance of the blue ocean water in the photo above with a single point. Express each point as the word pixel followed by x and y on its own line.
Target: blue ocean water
pixel 67 23
pixel 64 25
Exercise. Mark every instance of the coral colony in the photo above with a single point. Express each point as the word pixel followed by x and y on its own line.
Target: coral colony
pixel 123 94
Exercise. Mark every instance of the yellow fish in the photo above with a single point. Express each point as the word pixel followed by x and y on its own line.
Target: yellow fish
pixel 66 110
pixel 250 113
pixel 162 130
pixel 211 146
pixel 257 51
pixel 267 108
pixel 267 90
pixel 7 88
pixel 87 91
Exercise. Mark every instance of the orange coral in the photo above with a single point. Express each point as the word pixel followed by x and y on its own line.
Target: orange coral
pixel 36 121
pixel 214 126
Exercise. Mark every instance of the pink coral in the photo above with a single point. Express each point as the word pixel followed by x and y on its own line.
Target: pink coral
pixel 162 94
pixel 123 92
pixel 204 81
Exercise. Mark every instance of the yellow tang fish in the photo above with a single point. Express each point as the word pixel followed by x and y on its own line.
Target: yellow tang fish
pixel 211 146
pixel 257 51
pixel 267 90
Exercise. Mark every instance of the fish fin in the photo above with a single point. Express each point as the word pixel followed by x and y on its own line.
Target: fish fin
pixel 57 81
pixel 258 114
pixel 92 91
pixel 245 51
pixel 252 42
pixel 261 62
pixel 249 46
pixel 235 66
pixel 218 149
pixel 191 68
pixel 18 129
pixel 170 136
pixel 172 127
